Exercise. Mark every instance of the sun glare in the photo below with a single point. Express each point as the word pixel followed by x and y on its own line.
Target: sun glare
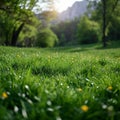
pixel 61 5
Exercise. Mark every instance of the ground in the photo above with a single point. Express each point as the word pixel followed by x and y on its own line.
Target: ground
pixel 64 83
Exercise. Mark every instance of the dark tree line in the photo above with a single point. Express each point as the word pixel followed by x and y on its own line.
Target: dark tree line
pixel 106 13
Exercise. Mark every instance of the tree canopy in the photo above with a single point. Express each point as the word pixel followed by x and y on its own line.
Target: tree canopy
pixel 104 12
pixel 15 14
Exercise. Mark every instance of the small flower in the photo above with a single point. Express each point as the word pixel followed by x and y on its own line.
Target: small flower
pixel 24 113
pixel 16 109
pixel 79 89
pixel 110 88
pixel 50 109
pixel 110 108
pixel 49 103
pixel 58 118
pixel 84 108
pixel 18 56
pixel 27 87
pixel 104 106
pixel 4 95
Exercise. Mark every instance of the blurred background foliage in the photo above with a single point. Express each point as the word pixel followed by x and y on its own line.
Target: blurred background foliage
pixel 24 23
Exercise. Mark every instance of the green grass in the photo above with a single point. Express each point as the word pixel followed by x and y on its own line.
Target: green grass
pixel 53 84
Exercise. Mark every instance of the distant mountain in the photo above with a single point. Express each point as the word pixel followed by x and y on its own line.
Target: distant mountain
pixel 76 10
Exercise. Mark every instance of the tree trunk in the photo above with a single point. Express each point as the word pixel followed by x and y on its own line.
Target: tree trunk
pixel 104 24
pixel 6 40
pixel 15 35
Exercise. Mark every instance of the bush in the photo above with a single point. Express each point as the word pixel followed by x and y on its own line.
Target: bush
pixel 88 31
pixel 27 36
pixel 46 38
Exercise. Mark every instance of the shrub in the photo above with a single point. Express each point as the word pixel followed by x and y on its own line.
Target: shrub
pixel 88 31
pixel 46 38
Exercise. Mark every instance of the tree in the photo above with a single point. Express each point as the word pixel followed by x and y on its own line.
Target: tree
pixel 104 10
pixel 104 22
pixel 19 13
pixel 5 28
pixel 88 31
pixel 46 38
pixel 66 33
pixel 114 29
pixel 46 17
pixel 29 33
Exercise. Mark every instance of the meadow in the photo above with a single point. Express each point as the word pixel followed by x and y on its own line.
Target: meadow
pixel 67 83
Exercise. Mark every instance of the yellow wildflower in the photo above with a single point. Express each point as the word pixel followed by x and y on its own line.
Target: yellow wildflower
pixel 110 88
pixel 4 95
pixel 84 108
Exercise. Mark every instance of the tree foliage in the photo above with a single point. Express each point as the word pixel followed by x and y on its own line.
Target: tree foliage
pixel 15 15
pixel 46 38
pixel 104 11
pixel 88 31
pixel 66 32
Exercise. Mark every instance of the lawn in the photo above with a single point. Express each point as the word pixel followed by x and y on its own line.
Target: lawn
pixel 68 83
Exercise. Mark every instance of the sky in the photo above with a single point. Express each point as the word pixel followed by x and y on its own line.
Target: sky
pixel 62 5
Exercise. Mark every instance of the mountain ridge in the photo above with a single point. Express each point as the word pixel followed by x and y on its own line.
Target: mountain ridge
pixel 78 9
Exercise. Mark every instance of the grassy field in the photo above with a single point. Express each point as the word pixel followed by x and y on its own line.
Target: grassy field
pixel 72 83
